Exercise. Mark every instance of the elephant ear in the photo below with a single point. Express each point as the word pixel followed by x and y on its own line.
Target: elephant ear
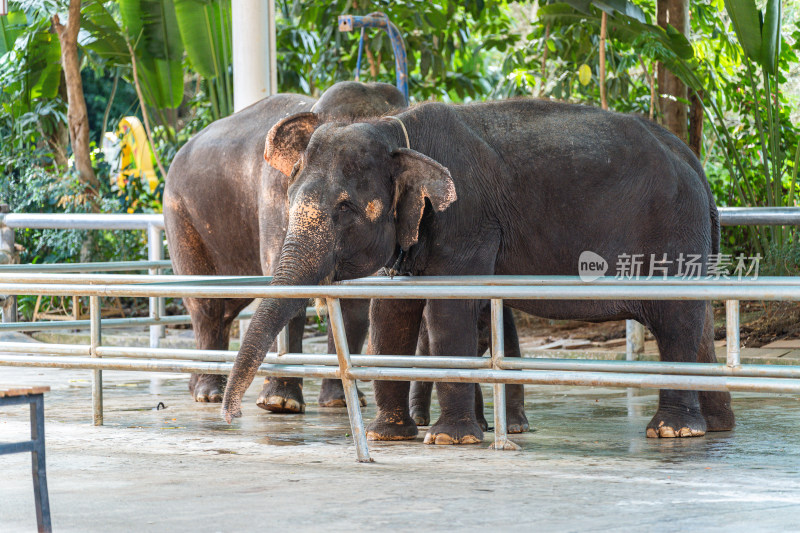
pixel 416 177
pixel 287 140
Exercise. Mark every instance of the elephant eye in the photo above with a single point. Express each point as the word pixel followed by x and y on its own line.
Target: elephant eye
pixel 346 206
pixel 295 170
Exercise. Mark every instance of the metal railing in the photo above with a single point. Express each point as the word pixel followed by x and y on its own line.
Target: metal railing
pixel 152 224
pixel 63 280
pixel 496 370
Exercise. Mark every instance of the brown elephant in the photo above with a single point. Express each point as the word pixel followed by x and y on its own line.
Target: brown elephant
pixel 225 211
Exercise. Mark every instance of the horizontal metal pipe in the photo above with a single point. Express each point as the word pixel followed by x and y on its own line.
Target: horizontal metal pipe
pixel 651 367
pixel 116 322
pixel 403 361
pixel 50 349
pixel 591 379
pixel 43 361
pixel 759 216
pixel 620 291
pixel 410 361
pixel 110 266
pixel 84 324
pixel 400 281
pixel 501 281
pixel 97 221
pixel 531 377
pixel 114 279
pixel 729 216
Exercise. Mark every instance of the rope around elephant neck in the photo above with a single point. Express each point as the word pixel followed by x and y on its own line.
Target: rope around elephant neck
pixel 405 132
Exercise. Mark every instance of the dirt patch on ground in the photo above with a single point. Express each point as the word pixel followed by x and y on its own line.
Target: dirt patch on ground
pixel 762 323
pixel 549 331
pixel 769 322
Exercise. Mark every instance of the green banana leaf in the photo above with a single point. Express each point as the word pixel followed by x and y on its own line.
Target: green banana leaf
pixel 152 29
pixel 11 26
pixel 205 27
pixel 101 34
pixel 771 37
pixel 747 25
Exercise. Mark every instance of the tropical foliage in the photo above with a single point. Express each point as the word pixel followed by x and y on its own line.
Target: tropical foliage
pixel 739 62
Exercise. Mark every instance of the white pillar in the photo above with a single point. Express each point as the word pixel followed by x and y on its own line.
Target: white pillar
pixel 252 60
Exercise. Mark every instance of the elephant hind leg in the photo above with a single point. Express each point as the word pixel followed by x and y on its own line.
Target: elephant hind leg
pixel 516 421
pixel 678 328
pixel 715 405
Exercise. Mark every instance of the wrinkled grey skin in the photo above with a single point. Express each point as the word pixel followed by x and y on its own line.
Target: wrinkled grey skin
pixel 515 187
pixel 226 214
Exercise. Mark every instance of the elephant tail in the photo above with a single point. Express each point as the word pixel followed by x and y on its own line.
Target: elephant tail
pixel 715 224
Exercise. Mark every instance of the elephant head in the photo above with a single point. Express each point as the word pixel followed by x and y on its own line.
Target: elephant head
pixel 357 195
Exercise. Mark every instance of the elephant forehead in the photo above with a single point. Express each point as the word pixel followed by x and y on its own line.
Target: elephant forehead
pixel 306 215
pixel 306 208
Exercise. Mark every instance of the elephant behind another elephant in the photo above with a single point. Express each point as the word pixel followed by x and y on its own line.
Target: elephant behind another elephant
pixel 225 214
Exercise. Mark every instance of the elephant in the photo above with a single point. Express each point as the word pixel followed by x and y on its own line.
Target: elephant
pixel 225 214
pixel 223 166
pixel 509 188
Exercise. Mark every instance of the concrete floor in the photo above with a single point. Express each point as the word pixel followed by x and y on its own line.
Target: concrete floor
pixel 587 467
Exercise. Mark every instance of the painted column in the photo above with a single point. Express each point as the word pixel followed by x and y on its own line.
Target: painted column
pixel 253 34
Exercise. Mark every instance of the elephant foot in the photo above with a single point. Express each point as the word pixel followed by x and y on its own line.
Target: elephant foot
pixel 390 426
pixel 281 396
pixel 670 424
pixel 207 387
pixel 516 421
pixel 717 411
pixel 458 432
pixel 332 394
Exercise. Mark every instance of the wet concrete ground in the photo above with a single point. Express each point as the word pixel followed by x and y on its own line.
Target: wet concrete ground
pixel 587 467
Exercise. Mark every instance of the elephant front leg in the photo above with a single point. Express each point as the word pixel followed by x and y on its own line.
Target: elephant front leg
pixel 285 395
pixel 356 325
pixel 453 331
pixel 394 331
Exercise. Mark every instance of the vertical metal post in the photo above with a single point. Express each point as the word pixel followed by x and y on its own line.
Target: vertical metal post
pixel 733 341
pixel 283 341
pixel 634 340
pixel 501 441
pixel 97 375
pixel 39 465
pixel 349 384
pixel 155 252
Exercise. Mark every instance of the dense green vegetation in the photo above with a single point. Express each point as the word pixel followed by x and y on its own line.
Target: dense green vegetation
pixel 744 73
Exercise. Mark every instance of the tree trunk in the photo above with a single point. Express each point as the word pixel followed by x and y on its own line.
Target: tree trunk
pixel 603 29
pixel 673 94
pixel 696 123
pixel 76 105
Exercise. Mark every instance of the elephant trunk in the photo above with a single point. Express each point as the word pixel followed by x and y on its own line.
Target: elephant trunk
pixel 306 259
